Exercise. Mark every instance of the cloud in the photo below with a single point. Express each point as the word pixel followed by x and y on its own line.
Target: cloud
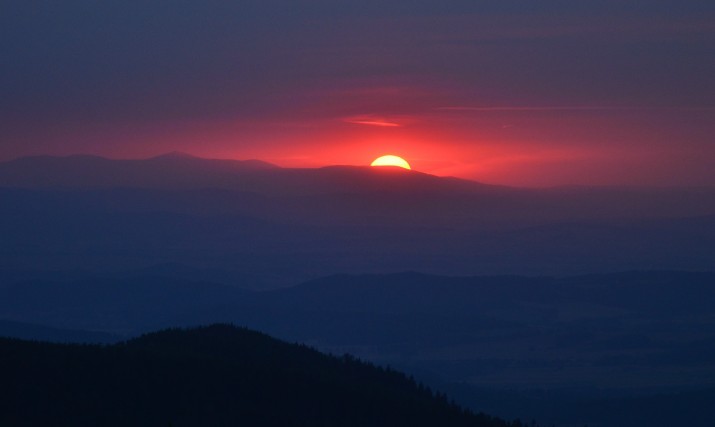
pixel 371 121
pixel 567 108
pixel 534 108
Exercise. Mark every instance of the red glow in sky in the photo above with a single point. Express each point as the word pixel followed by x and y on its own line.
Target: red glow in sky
pixel 521 146
pixel 490 92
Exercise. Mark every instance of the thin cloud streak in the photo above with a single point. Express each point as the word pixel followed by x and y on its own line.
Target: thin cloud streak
pixel 371 122
pixel 568 108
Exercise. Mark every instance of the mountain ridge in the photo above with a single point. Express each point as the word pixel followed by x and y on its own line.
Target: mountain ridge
pixel 176 170
pixel 217 375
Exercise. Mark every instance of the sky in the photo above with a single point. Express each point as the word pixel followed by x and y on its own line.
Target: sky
pixel 528 93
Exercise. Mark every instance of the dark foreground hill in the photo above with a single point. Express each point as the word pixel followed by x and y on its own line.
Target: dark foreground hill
pixel 218 376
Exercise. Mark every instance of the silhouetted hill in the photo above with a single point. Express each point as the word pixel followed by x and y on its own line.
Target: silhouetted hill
pixel 343 188
pixel 174 170
pixel 216 376
pixel 182 171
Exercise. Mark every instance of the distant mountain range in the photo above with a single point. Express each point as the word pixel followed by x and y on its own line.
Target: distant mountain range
pixel 258 226
pixel 182 171
pixel 30 331
pixel 349 186
pixel 538 324
pixel 219 376
pixel 173 170
pixel 260 242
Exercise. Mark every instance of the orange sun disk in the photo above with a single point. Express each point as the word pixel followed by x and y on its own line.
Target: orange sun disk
pixel 390 160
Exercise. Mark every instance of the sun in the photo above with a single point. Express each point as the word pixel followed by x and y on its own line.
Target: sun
pixel 390 160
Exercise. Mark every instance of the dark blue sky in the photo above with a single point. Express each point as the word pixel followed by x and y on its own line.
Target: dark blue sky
pixel 502 91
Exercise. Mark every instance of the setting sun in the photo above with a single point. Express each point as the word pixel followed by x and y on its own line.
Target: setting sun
pixel 391 160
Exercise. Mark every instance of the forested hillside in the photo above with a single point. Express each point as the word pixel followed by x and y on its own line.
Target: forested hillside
pixel 211 376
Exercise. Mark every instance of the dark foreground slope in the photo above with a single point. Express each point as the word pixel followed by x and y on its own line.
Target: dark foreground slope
pixel 217 375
